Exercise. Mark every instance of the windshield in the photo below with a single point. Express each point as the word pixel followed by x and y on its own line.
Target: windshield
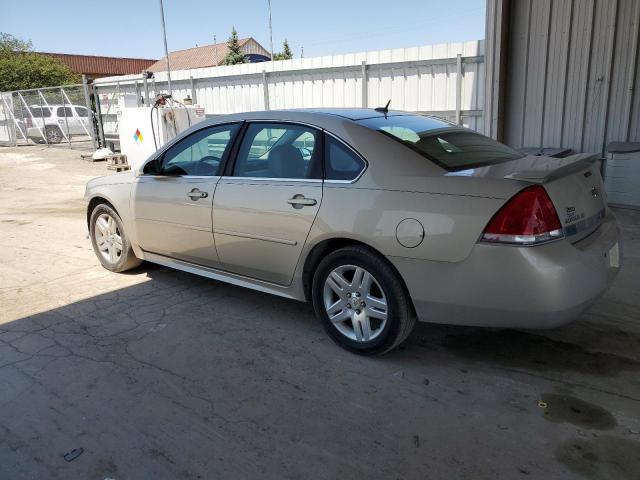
pixel 451 147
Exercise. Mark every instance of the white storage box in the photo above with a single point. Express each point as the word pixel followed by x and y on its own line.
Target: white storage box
pixel 622 174
pixel 137 126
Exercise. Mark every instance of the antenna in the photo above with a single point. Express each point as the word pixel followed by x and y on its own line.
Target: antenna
pixel 384 109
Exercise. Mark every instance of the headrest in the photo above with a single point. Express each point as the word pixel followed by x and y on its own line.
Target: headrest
pixel 286 161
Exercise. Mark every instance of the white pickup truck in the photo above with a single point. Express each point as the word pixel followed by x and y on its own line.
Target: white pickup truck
pixel 55 122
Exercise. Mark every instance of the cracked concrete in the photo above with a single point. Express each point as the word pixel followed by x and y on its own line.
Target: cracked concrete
pixel 161 374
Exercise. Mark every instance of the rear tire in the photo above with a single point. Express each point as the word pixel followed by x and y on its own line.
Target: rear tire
pixel 110 242
pixel 361 301
pixel 53 134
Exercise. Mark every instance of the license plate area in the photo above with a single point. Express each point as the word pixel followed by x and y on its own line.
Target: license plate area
pixel 614 256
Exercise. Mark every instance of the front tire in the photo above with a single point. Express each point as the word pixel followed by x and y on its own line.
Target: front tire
pixel 361 301
pixel 110 242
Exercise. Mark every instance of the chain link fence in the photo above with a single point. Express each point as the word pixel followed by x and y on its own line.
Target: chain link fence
pixel 55 116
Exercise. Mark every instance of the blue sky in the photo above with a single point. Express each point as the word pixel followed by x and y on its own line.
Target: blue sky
pixel 132 28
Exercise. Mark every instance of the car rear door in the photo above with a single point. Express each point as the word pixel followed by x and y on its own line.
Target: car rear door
pixel 66 120
pixel 264 207
pixel 172 208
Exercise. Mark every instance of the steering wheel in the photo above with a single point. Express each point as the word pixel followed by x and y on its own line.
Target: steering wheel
pixel 203 161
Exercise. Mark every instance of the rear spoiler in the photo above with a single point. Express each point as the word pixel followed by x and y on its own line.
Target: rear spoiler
pixel 555 168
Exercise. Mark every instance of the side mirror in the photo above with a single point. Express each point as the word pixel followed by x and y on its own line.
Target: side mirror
pixel 154 167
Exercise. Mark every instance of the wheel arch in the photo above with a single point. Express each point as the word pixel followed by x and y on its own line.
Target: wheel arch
pixel 94 202
pixel 325 247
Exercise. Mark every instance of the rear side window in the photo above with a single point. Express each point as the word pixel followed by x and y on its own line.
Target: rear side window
pixel 82 112
pixel 341 163
pixel 449 146
pixel 279 150
pixel 64 112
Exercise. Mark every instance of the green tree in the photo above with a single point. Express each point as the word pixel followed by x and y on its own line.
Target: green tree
pixel 285 54
pixel 21 67
pixel 235 55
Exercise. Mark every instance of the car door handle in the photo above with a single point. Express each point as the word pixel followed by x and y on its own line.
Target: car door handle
pixel 299 201
pixel 197 194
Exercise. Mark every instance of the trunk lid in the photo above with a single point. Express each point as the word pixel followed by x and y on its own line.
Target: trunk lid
pixel 579 197
pixel 573 183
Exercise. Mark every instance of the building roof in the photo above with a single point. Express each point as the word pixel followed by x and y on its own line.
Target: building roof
pixel 101 66
pixel 197 57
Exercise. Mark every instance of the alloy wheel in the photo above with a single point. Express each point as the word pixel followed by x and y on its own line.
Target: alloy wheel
pixel 355 303
pixel 54 135
pixel 108 238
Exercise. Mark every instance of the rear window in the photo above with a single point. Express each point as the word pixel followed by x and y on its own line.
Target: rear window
pixel 449 146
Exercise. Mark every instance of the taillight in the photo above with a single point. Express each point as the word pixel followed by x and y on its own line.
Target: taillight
pixel 528 218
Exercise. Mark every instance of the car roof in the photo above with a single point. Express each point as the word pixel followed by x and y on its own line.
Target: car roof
pixel 352 113
pixel 329 118
pixel 321 117
pixel 334 120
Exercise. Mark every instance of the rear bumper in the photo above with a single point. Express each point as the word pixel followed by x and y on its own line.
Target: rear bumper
pixel 33 132
pixel 517 287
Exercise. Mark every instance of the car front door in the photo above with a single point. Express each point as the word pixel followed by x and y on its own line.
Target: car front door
pixel 172 202
pixel 264 208
pixel 82 115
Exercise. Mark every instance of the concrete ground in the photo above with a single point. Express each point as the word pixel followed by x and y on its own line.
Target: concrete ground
pixel 161 374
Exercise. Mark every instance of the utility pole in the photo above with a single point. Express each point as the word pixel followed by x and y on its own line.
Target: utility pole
pixel 270 30
pixel 215 42
pixel 301 51
pixel 166 49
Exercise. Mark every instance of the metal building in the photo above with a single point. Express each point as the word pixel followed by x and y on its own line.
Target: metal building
pixel 563 73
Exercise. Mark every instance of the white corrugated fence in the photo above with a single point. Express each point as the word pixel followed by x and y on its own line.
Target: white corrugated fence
pixel 445 80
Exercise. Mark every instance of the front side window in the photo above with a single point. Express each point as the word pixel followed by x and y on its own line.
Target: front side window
pixel 341 163
pixel 275 150
pixel 449 146
pixel 201 153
